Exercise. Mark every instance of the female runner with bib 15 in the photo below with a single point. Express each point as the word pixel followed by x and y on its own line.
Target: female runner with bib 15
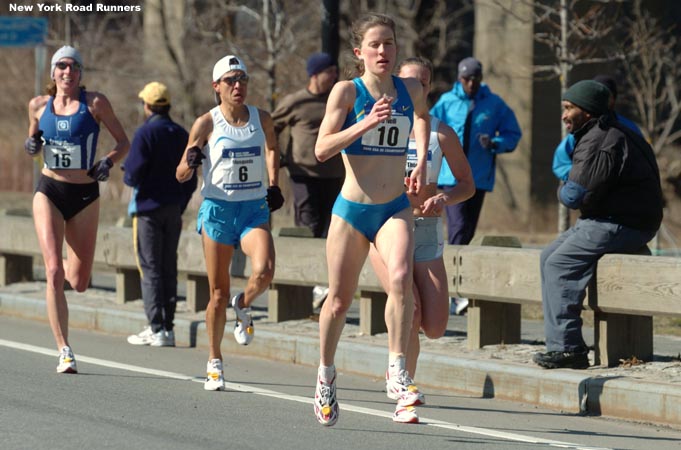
pixel 64 126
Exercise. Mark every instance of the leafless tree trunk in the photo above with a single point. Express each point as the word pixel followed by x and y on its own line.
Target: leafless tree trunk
pixel 563 211
pixel 574 39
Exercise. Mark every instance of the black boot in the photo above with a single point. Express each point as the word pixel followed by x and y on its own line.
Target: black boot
pixel 577 359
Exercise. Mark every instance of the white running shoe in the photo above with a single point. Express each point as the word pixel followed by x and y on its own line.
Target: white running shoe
pixel 215 378
pixel 319 294
pixel 67 362
pixel 243 328
pixel 405 414
pixel 163 339
pixel 144 337
pixel 402 388
pixel 461 306
pixel 325 404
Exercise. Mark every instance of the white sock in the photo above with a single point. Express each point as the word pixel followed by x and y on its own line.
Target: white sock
pixel 217 363
pixel 397 364
pixel 327 373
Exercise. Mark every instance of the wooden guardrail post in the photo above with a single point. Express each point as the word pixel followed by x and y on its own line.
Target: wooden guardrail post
pixel 128 285
pixel 287 301
pixel 15 268
pixel 481 313
pixel 619 336
pixel 198 292
pixel 128 282
pixel 372 312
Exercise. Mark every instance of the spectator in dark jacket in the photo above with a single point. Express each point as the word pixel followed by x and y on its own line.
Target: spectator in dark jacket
pixel 315 185
pixel 562 156
pixel 156 206
pixel 615 183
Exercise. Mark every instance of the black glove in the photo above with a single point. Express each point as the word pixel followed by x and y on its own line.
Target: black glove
pixel 487 142
pixel 194 157
pixel 34 144
pixel 274 198
pixel 100 171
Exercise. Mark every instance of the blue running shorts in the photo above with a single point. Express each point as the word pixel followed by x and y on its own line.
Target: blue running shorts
pixel 228 222
pixel 368 218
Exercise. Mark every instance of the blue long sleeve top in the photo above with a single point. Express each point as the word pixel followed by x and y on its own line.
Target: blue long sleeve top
pixel 155 152
pixel 491 116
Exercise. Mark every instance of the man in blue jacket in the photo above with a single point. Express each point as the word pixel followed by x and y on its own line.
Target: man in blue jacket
pixel 156 206
pixel 562 157
pixel 486 127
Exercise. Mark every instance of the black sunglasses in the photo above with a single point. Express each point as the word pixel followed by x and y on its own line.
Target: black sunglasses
pixel 231 81
pixel 61 65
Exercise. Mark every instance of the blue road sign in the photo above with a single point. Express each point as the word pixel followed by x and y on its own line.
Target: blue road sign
pixel 22 31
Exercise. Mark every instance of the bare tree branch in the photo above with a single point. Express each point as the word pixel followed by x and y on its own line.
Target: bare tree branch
pixel 652 71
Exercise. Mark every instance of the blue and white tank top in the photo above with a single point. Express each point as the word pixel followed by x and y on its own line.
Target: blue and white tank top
pixel 434 153
pixel 390 137
pixel 235 167
pixel 70 141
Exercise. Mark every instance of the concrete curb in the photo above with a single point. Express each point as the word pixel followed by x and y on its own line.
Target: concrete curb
pixel 564 390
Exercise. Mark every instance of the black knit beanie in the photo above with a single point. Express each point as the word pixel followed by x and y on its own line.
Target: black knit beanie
pixel 609 82
pixel 589 95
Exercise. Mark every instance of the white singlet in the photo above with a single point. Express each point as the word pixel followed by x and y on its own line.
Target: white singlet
pixel 434 153
pixel 235 169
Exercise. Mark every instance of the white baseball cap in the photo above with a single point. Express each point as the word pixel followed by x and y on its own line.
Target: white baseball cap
pixel 227 64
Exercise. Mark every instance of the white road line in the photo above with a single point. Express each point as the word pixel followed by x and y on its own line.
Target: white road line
pixel 274 394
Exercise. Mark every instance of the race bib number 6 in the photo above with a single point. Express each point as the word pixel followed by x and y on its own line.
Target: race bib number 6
pixel 243 168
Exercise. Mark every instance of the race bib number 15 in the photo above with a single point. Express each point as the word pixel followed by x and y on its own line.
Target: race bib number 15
pixel 62 156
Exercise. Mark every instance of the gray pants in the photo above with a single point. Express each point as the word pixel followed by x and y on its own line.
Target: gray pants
pixel 568 264
pixel 157 237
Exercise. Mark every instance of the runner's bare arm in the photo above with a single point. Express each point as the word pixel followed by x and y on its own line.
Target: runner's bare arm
pixel 198 136
pixel 102 111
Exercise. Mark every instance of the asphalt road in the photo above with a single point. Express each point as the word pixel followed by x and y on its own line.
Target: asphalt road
pixel 152 398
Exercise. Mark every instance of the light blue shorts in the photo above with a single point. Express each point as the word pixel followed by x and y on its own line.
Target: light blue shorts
pixel 368 218
pixel 429 242
pixel 228 222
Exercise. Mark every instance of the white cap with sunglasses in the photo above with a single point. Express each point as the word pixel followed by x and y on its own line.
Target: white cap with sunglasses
pixel 66 52
pixel 227 64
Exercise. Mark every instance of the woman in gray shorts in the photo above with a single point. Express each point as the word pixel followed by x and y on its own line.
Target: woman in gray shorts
pixel 431 297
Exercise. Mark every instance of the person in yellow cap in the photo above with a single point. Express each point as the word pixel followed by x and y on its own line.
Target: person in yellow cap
pixel 156 206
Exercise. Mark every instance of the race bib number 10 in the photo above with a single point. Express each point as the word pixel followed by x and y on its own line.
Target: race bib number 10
pixel 389 137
